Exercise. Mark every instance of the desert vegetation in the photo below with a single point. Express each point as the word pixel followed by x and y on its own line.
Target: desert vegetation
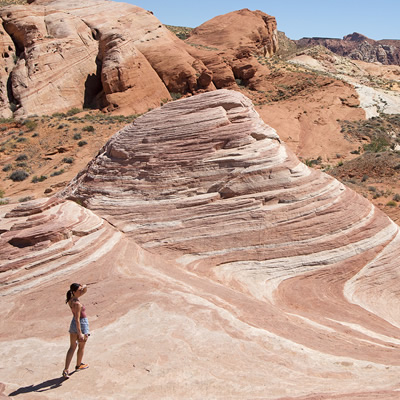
pixel 181 31
pixel 51 146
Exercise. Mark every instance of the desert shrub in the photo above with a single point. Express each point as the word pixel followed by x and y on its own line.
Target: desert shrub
pixel 30 124
pixel 4 202
pixel 27 198
pixel 56 173
pixel 19 175
pixel 21 157
pixel 1 193
pixel 35 134
pixel 364 178
pixel 7 168
pixel 73 111
pixel 175 96
pixel 391 203
pixel 77 136
pixel 396 197
pixel 40 178
pixel 58 115
pixel 22 164
pixel 88 128
pixel 372 188
pixel 377 145
pixel 22 139
pixel 68 160
pixel 82 143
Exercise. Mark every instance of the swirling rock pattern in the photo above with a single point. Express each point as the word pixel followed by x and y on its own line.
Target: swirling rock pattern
pixel 232 269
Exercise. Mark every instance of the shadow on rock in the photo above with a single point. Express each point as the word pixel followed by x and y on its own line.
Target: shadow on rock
pixel 41 387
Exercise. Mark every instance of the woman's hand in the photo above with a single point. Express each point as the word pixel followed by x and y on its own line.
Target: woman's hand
pixel 81 337
pixel 83 289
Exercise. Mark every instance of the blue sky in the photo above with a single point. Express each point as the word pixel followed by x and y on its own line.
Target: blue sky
pixel 377 19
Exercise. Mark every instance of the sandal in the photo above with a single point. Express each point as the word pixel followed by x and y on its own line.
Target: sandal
pixel 82 366
pixel 65 374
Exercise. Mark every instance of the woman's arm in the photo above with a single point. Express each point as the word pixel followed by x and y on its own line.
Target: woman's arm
pixel 84 289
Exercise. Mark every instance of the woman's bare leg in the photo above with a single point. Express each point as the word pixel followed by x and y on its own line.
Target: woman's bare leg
pixel 73 337
pixel 81 349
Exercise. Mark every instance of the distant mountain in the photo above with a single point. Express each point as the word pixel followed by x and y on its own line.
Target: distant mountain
pixel 359 47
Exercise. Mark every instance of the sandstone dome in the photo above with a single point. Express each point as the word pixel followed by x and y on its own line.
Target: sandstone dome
pixel 219 266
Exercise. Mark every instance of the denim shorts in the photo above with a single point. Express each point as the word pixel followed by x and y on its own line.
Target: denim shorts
pixel 84 326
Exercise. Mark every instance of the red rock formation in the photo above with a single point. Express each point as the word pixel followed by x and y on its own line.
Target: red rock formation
pixel 359 47
pixel 262 277
pixel 105 54
pixel 7 53
pixel 120 56
pixel 253 30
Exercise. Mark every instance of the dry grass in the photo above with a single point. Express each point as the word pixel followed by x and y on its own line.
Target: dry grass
pixel 9 2
pixel 181 31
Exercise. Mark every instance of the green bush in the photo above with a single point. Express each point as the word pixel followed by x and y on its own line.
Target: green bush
pixel 56 173
pixel 37 179
pixel 396 197
pixel 7 168
pixel 88 128
pixel 1 193
pixel 77 136
pixel 73 111
pixel 68 160
pixel 21 157
pixel 82 143
pixel 27 198
pixel 377 145
pixel 19 175
pixel 30 125
pixel 175 96
pixel 391 203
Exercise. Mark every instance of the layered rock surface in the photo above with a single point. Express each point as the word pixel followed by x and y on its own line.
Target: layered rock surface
pixel 98 54
pixel 229 269
pixel 359 47
pixel 116 56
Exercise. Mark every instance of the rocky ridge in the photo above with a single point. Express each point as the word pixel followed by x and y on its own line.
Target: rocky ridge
pixel 113 56
pixel 359 47
pixel 204 228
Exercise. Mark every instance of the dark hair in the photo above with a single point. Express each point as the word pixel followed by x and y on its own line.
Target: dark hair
pixel 73 288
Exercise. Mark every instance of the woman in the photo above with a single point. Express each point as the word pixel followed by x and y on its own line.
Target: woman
pixel 79 328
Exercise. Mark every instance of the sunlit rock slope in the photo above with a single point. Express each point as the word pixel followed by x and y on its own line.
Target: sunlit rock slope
pixel 219 266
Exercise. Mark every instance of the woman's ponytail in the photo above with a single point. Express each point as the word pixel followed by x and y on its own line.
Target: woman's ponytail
pixel 69 295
